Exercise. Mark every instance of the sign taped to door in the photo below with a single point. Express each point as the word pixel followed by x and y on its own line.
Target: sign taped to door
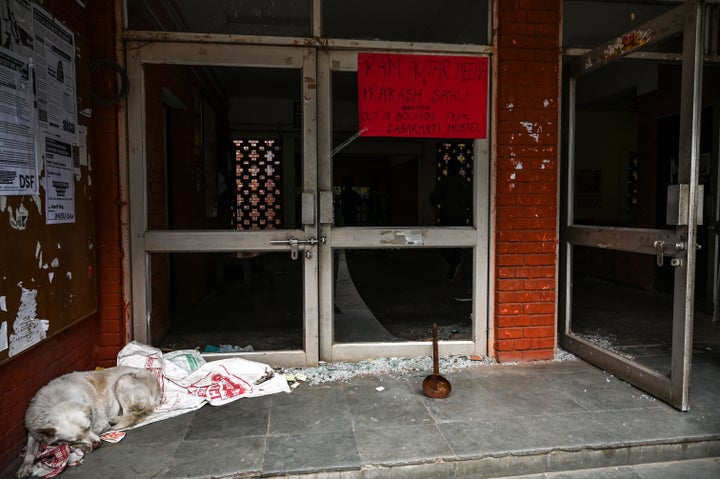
pixel 427 96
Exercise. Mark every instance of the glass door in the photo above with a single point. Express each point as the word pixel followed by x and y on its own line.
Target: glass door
pixel 389 269
pixel 261 220
pixel 634 204
pixel 263 225
pixel 223 194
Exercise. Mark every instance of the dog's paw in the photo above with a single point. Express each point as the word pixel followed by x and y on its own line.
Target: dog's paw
pixel 24 471
pixel 86 447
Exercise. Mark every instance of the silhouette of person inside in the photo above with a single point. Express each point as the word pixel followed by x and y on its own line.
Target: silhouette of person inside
pixel 349 203
pixel 451 199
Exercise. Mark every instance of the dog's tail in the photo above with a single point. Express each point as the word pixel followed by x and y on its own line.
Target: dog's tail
pixel 130 419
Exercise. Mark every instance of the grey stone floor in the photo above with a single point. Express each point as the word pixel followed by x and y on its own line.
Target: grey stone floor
pixel 543 419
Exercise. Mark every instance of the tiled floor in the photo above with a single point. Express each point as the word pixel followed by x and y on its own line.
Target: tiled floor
pixel 500 420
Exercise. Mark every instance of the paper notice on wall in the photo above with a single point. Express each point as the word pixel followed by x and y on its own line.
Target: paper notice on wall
pixel 54 59
pixel 28 329
pixel 3 336
pixel 17 26
pixel 59 181
pixel 18 165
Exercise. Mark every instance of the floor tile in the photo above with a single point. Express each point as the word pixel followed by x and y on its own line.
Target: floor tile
pixel 218 457
pixel 302 453
pixel 397 445
pixel 160 432
pixel 653 424
pixel 317 410
pixel 467 402
pixel 129 462
pixel 237 419
pixel 698 469
pixel 487 436
pixel 568 430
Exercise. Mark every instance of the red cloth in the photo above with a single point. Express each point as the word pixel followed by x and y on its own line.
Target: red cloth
pixel 52 459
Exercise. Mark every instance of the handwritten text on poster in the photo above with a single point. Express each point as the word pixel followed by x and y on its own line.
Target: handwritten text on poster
pixel 424 96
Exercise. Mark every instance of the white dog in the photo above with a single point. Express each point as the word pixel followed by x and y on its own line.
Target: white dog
pixel 78 407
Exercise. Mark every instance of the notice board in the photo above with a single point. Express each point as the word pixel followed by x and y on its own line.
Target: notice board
pixel 48 277
pixel 425 96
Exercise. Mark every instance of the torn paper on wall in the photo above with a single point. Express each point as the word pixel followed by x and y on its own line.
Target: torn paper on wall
pixel 28 329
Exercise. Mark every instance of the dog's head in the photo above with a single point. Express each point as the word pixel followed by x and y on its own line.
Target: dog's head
pixel 73 427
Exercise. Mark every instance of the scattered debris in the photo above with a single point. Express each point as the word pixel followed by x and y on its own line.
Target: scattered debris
pixel 395 367
pixel 113 436
pixel 228 348
pixel 562 355
pixel 606 341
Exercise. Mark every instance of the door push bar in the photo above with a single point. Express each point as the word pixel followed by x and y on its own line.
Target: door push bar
pixel 295 245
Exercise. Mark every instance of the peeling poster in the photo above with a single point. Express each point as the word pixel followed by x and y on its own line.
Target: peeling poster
pixel 28 329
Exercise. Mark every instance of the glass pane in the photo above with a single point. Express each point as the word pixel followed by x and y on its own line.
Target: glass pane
pixel 623 302
pixel 393 177
pixel 202 176
pixel 384 295
pixel 226 301
pixel 454 21
pixel 289 18
pixel 619 111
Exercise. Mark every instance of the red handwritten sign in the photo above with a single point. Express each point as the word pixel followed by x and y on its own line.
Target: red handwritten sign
pixel 424 96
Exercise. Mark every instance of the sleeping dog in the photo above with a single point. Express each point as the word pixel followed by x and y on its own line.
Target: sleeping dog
pixel 78 407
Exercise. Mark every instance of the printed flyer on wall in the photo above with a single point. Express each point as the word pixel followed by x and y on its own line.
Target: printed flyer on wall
pixel 59 182
pixel 18 165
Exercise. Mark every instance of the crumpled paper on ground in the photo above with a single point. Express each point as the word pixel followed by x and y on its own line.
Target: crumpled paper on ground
pixel 215 382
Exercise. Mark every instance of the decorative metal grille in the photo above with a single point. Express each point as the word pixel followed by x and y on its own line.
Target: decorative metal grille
pixel 258 193
pixel 461 151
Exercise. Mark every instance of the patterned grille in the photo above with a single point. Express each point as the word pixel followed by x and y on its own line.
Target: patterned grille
pixel 258 173
pixel 461 151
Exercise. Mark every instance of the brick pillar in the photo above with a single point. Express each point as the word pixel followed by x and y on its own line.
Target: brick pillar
pixel 112 327
pixel 527 113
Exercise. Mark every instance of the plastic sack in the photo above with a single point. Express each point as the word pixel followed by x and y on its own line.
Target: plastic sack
pixel 215 382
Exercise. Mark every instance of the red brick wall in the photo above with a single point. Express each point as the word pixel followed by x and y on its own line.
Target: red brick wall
pixel 113 330
pixel 526 114
pixel 96 340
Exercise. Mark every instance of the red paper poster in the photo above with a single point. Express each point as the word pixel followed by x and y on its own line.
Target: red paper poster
pixel 424 96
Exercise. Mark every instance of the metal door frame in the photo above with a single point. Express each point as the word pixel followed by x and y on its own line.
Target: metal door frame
pixel 144 242
pixel 688 19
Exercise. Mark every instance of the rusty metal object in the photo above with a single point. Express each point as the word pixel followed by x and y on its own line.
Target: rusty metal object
pixel 435 386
